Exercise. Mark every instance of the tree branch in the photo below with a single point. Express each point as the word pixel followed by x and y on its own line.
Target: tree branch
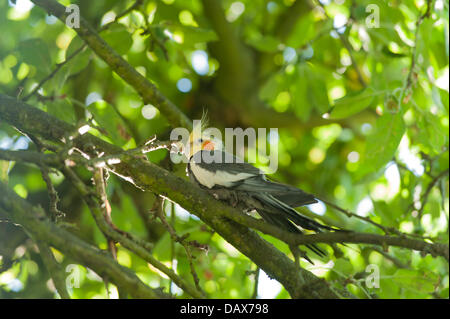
pixel 237 66
pixel 404 97
pixel 39 227
pixel 148 91
pixel 300 283
pixel 54 269
pixel 226 220
pixel 128 241
pixel 181 240
pixel 347 46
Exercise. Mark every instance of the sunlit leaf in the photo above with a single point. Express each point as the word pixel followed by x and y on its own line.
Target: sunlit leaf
pixel 353 103
pixel 264 43
pixel 108 119
pixel 35 52
pixel 62 109
pixel 118 38
pixel 382 144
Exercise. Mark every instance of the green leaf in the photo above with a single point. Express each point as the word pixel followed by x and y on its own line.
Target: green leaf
pixel 433 206
pixel 440 97
pixel 118 38
pixel 317 90
pixel 62 109
pixel 382 144
pixel 81 60
pixel 353 103
pixel 305 27
pixel 4 169
pixel 35 52
pixel 193 35
pixel 270 89
pixel 162 248
pixel 414 281
pixel 432 133
pixel 108 119
pixel 383 210
pixel 343 266
pixel 264 43
pixel 300 102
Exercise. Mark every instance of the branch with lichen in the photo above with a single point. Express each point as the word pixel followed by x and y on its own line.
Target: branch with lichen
pixel 128 241
pixel 229 222
pixel 79 50
pixel 149 93
pixel 178 239
pixel 40 228
pixel 150 177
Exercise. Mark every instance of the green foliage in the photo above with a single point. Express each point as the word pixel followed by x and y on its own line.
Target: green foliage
pixel 35 52
pixel 366 128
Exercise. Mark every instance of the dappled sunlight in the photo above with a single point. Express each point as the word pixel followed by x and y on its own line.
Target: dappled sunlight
pixel 350 163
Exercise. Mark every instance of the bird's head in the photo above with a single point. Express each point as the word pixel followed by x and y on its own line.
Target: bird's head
pixel 199 140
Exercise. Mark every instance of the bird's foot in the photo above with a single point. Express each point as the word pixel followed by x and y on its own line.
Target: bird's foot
pixel 234 201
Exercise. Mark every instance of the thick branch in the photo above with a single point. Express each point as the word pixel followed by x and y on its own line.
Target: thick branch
pixel 40 228
pixel 54 269
pixel 435 249
pixel 300 283
pixel 237 66
pixel 148 92
pixel 217 215
pixel 126 240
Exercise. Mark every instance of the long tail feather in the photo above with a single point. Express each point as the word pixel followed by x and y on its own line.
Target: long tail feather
pixel 285 224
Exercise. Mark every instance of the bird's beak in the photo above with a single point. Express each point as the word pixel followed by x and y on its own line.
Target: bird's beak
pixel 208 145
pixel 177 147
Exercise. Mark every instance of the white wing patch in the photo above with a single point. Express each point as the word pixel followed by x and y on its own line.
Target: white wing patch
pixel 220 178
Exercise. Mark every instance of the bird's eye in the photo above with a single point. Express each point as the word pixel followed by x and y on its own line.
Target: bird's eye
pixel 200 140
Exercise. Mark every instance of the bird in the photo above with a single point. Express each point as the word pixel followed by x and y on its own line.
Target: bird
pixel 230 178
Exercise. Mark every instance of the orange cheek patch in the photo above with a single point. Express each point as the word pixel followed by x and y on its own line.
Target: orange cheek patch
pixel 208 146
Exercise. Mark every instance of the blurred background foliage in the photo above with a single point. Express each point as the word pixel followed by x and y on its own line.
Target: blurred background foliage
pixel 362 114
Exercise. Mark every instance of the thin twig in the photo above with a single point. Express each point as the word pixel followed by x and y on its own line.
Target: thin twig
pixel 134 6
pixel 404 97
pixel 77 51
pixel 178 239
pixel 347 46
pixel 54 269
pixel 128 241
pixel 394 260
pixel 172 242
pixel 56 214
pixel 255 287
pixel 150 146
pixel 55 70
pixel 100 187
pixel 425 195
pixel 349 214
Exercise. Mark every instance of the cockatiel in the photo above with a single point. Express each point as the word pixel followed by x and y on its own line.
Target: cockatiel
pixel 217 171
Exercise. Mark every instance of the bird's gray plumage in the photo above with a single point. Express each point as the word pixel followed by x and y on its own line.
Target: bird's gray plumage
pixel 273 201
pixel 219 160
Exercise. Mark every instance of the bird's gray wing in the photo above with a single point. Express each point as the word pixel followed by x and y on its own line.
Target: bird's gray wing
pixel 219 160
pixel 256 182
pixel 287 194
pixel 286 224
pixel 275 206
